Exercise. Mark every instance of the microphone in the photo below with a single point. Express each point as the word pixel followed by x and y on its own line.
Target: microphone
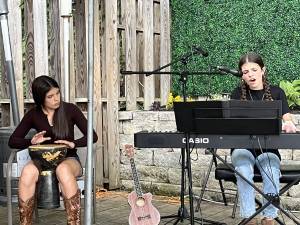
pixel 200 51
pixel 235 73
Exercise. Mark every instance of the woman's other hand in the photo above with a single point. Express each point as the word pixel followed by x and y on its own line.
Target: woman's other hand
pixel 65 142
pixel 39 138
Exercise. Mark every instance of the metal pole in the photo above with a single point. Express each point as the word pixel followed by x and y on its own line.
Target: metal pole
pixel 8 61
pixel 66 13
pixel 13 97
pixel 89 162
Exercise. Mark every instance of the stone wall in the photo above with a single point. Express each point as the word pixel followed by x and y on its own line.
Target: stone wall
pixel 160 169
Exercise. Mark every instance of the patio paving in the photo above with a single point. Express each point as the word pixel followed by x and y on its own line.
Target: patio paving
pixel 112 209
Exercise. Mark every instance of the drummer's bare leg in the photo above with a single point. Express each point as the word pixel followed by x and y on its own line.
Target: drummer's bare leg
pixel 27 183
pixel 66 172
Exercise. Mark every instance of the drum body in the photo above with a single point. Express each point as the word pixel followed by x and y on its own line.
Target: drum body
pixel 47 158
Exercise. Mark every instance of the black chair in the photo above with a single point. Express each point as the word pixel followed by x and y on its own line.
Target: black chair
pixel 290 176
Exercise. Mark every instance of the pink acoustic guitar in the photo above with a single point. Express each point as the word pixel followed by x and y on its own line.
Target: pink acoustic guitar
pixel 142 210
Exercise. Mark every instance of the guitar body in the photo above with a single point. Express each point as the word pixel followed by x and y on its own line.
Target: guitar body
pixel 142 215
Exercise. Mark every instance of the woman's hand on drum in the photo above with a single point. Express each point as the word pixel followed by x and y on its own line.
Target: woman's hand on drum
pixel 65 142
pixel 39 138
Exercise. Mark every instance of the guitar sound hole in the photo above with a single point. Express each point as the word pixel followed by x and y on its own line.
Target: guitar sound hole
pixel 140 202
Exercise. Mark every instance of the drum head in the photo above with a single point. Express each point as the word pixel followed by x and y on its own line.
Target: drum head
pixel 48 156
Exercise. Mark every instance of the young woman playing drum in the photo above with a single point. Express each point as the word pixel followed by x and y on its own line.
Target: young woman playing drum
pixel 54 122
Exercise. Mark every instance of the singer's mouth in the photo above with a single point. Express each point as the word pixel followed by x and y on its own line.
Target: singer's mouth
pixel 252 79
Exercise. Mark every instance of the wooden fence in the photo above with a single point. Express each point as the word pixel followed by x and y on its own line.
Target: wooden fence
pixel 128 35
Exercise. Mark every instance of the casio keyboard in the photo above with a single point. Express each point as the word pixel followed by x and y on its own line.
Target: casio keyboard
pixel 177 140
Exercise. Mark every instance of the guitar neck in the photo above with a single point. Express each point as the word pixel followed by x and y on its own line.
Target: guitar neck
pixel 136 181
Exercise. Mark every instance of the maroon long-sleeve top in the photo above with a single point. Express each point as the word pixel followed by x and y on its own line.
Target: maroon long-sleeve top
pixel 37 119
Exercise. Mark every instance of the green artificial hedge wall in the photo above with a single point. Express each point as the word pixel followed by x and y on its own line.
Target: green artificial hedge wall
pixel 229 28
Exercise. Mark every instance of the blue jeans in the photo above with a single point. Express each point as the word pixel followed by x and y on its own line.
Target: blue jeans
pixel 269 166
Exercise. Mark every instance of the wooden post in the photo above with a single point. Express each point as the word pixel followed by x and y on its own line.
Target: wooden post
pixel 40 37
pixel 97 98
pixel 165 57
pixel 29 49
pixel 148 52
pixel 130 49
pixel 72 63
pixel 54 43
pixel 80 48
pixel 112 73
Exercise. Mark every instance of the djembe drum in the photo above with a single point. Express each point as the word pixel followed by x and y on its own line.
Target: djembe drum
pixel 47 157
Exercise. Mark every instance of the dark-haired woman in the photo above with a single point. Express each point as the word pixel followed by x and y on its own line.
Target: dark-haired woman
pixel 54 122
pixel 254 87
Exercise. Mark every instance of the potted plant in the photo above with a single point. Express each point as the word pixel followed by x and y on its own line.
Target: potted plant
pixel 292 91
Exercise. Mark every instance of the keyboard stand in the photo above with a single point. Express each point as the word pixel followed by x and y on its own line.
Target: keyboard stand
pixel 205 181
pixel 182 211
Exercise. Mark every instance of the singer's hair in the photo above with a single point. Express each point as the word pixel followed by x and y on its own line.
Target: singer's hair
pixel 40 87
pixel 254 58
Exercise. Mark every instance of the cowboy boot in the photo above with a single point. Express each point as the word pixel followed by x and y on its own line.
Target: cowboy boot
pixel 72 206
pixel 267 221
pixel 26 211
pixel 252 222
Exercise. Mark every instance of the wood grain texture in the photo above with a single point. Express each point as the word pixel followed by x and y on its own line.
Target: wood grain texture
pixel 97 97
pixel 55 56
pixel 112 74
pixel 165 50
pixel 40 37
pixel 15 34
pixel 130 58
pixel 80 49
pixel 29 48
pixel 149 93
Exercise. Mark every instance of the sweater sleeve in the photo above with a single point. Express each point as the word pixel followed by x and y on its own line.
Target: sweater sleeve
pixel 17 140
pixel 81 122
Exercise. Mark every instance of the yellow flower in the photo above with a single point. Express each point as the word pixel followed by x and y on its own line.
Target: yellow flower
pixel 178 99
pixel 170 101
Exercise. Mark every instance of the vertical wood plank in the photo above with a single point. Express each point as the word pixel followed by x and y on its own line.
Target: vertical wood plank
pixel 15 33
pixel 40 37
pixel 139 14
pixel 80 49
pixel 102 26
pixel 156 61
pixel 156 17
pixel 106 154
pixel 148 52
pixel 165 50
pixel 122 61
pixel 72 85
pixel 140 63
pixel 112 73
pixel 97 96
pixel 130 49
pixel 54 42
pixel 121 12
pixel 29 47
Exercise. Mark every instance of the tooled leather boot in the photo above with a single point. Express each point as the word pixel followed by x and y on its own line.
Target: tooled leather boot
pixel 26 211
pixel 267 221
pixel 72 206
pixel 252 222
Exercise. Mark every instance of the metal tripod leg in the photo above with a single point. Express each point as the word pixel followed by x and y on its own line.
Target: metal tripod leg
pixel 204 184
pixel 182 211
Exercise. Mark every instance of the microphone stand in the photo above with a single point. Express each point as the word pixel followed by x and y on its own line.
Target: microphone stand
pixel 186 161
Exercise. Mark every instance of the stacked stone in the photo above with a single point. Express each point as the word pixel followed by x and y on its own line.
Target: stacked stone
pixel 160 169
